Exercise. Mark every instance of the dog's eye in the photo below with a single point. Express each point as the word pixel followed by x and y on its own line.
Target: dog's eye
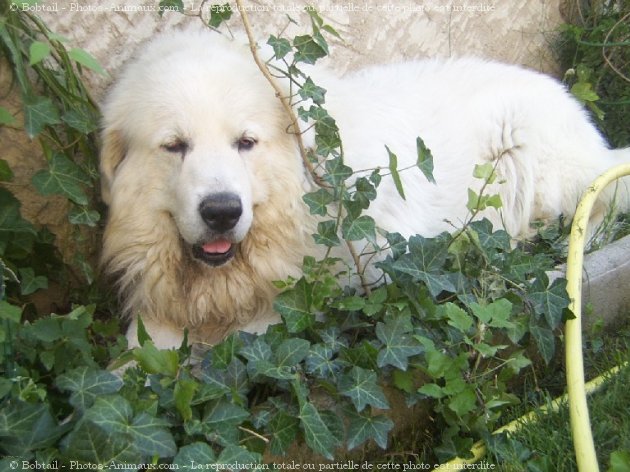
pixel 246 144
pixel 176 147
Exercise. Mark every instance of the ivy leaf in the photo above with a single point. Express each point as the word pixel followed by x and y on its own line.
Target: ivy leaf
pixel 318 201
pixel 544 341
pixel 363 427
pixel 398 344
pixel 233 455
pixel 360 386
pixel 549 301
pixel 92 444
pixel 425 262
pixel 312 91
pixel 320 362
pixel 393 168
pixel 356 229
pixel 148 434
pixel 219 14
pixel 27 427
pixel 39 112
pixel 284 429
pixel 171 5
pixel 80 56
pixel 292 351
pixel 63 177
pixel 337 172
pixel 258 350
pixel 327 234
pixel 281 46
pixel 223 412
pixel 31 283
pixel 294 305
pixel 197 452
pixel 317 435
pixel 308 50
pixel 82 215
pixel 37 52
pixel 425 160
pixel 432 390
pixel 82 119
pixel 485 172
pixel 86 385
pixel 489 239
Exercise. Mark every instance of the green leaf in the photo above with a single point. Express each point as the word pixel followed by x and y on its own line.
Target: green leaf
pixel 432 390
pixel 63 177
pixel 31 283
pixel 10 312
pixel 149 434
pixel 318 201
pixel 294 305
pixel 92 444
pixel 171 5
pixel 619 461
pixel 39 112
pixel 320 362
pixel 425 262
pixel 84 58
pixel 360 385
pixel 463 402
pixel 292 351
pixel 38 51
pixel 225 413
pixel 317 435
pixel 356 229
pixel 6 118
pixel 284 429
pixel 549 301
pixel 457 317
pixel 233 455
pixel 219 14
pixel 6 174
pixel 485 172
pixel 10 219
pixel 155 361
pixel 327 234
pixel 398 344
pixel 496 314
pixel 197 453
pixel 82 215
pixel 425 160
pixel 307 49
pixel 363 427
pixel 82 119
pixel 281 46
pixel 393 168
pixel 544 341
pixel 337 172
pixel 26 427
pixel 86 385
pixel 312 91
pixel 183 394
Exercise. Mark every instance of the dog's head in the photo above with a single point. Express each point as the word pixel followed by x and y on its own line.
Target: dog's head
pixel 193 129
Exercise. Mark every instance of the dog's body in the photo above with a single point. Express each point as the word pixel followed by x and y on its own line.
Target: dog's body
pixel 204 183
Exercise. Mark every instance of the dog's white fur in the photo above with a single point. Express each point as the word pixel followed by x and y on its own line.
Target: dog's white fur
pixel 207 91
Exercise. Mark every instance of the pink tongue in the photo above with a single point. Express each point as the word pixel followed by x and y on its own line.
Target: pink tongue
pixel 220 246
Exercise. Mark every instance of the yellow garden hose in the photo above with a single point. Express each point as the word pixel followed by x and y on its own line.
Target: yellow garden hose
pixel 576 389
pixel 580 423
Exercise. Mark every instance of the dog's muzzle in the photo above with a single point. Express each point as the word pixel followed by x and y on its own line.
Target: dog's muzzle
pixel 221 213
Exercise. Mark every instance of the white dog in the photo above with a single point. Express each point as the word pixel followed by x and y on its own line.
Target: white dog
pixel 204 183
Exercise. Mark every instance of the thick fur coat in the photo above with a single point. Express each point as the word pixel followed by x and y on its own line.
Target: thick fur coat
pixel 204 183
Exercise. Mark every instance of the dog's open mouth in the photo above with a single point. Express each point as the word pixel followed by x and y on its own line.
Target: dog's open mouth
pixel 214 253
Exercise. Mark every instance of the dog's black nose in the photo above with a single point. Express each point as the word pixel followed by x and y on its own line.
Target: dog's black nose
pixel 221 211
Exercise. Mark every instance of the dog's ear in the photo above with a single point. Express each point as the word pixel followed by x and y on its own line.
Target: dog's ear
pixel 113 151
